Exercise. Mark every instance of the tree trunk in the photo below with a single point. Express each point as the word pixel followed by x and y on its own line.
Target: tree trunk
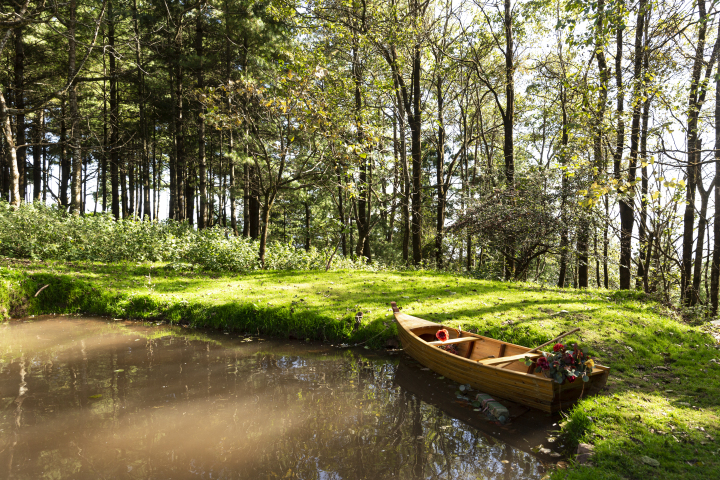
pixel 77 161
pixel 642 233
pixel 269 199
pixel 38 134
pixel 144 166
pixel 509 126
pixel 606 277
pixel 19 97
pixel 582 246
pixel 600 159
pixel 617 155
pixel 440 178
pixel 564 235
pixel 131 188
pixel 597 259
pixel 104 162
pixel 172 166
pixel 396 183
pixel 157 167
pixel 202 214
pixel 224 188
pixel 246 200
pixel 597 123
pixel 45 171
pixel 466 188
pixel 233 206
pixel 341 210
pixel 692 167
pixel 86 161
pixel 363 202
pixel 189 196
pixel 307 225
pixel 648 257
pixel 254 205
pixel 179 120
pixel 715 270
pixel 509 117
pixel 363 245
pixel 416 147
pixel 123 189
pixel 4 162
pixel 211 189
pixel 700 248
pixel 64 160
pixel 627 201
pixel 12 151
pixel 147 211
pixel 114 118
pixel 405 190
pixel 642 228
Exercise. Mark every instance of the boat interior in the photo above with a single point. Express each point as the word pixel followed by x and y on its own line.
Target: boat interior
pixel 484 350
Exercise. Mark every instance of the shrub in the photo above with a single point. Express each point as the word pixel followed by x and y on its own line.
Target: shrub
pixel 41 232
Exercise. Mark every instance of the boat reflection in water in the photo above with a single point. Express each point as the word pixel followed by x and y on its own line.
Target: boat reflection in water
pixel 85 398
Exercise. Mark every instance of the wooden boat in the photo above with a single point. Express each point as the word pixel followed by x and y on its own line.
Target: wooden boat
pixel 491 366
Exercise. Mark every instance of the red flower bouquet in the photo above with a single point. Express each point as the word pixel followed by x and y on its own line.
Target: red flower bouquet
pixel 565 363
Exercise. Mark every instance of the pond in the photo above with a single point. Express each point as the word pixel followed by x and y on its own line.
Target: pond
pixel 86 398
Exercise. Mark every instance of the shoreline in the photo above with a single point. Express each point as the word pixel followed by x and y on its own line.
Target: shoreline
pixel 660 399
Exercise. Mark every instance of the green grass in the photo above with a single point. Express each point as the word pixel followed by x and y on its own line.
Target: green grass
pixel 663 395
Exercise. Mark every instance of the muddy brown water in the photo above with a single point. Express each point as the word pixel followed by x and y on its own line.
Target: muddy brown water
pixel 84 398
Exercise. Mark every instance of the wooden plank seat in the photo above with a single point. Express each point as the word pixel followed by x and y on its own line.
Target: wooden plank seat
pixel 511 358
pixel 455 340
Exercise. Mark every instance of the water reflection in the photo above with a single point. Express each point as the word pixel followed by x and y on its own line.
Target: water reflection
pixel 82 398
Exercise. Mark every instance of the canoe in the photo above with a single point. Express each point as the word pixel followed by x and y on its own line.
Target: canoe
pixel 491 366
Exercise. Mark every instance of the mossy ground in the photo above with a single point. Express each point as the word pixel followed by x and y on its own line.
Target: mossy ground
pixel 663 397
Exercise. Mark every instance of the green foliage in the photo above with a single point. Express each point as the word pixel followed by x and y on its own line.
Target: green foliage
pixel 526 215
pixel 39 232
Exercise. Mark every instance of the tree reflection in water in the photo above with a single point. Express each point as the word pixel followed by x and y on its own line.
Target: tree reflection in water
pixel 83 398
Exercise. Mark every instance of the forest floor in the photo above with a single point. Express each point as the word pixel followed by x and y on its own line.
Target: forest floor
pixel 660 413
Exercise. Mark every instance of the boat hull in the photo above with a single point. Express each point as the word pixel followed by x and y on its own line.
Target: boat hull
pixel 514 382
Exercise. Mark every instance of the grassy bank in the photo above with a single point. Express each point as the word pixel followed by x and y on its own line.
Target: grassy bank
pixel 659 415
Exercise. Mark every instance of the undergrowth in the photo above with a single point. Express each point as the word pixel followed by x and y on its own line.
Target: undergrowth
pixel 39 232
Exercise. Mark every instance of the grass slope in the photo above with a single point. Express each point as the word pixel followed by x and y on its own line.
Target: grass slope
pixel 659 415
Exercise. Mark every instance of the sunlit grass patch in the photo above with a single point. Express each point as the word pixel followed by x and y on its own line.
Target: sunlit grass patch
pixel 641 435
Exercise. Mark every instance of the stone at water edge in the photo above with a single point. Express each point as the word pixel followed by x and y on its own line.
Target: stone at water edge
pixel 392 343
pixel 585 451
pixel 495 408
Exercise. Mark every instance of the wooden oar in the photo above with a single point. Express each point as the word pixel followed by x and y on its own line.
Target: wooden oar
pixel 504 364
